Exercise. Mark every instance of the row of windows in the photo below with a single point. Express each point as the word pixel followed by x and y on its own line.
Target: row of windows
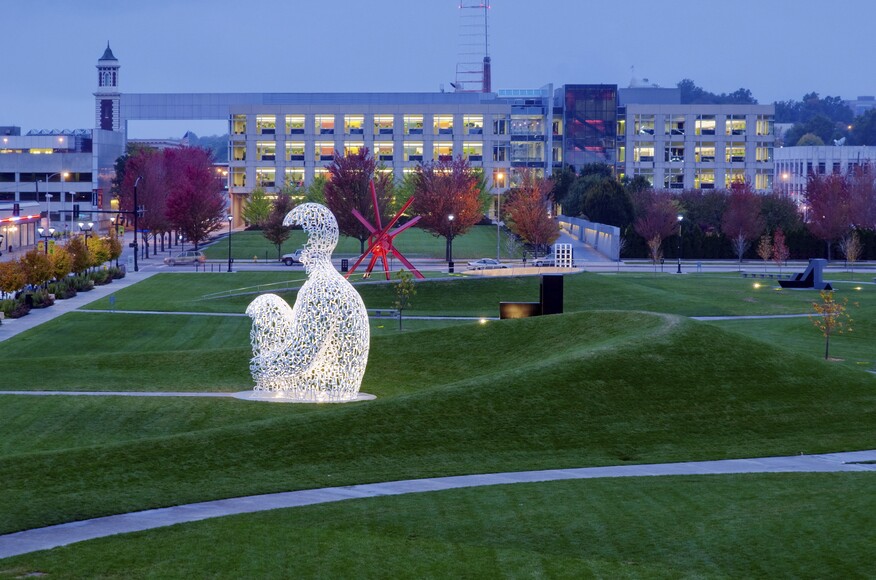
pixel 356 124
pixel 69 177
pixel 646 124
pixel 33 151
pixel 702 153
pixel 705 178
pixel 386 151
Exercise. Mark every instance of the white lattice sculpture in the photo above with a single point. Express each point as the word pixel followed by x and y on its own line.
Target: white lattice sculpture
pixel 317 350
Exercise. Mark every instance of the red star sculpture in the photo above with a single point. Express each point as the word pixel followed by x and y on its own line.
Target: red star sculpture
pixel 381 240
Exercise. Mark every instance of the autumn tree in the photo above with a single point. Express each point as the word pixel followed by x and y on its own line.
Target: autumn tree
pixel 348 188
pixel 657 221
pixel 62 262
pixel 527 211
pixel 830 317
pixel 765 249
pixel 12 276
pixel 830 208
pixel 273 230
pixel 780 249
pixel 850 245
pixel 79 253
pixel 257 208
pixel 150 168
pixel 862 185
pixel 742 221
pixel 99 251
pixel 37 267
pixel 195 201
pixel 114 245
pixel 444 188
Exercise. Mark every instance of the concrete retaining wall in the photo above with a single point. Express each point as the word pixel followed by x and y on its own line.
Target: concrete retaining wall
pixel 603 238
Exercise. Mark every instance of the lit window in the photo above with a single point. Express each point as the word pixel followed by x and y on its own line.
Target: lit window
pixel 383 124
pixel 763 180
pixel 621 126
pixel 321 172
pixel 735 152
pixel 295 124
pixel 473 151
pixel 325 124
pixel 704 179
pixel 673 152
pixel 238 151
pixel 442 151
pixel 474 124
pixel 266 124
pixel 266 176
pixel 763 152
pixel 383 150
pixel 764 125
pixel 643 153
pixel 238 124
pixel 238 177
pixel 353 148
pixel 294 150
pixel 413 151
pixel 674 125
pixel 354 124
pixel 413 124
pixel 705 125
pixel 266 150
pixel 644 124
pixel 735 125
pixel 40 151
pixel 732 176
pixel 324 150
pixel 529 125
pixel 442 124
pixel 704 153
pixel 295 176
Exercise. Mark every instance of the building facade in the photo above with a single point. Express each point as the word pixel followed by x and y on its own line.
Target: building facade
pixel 795 164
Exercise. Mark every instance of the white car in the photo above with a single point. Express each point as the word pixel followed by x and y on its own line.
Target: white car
pixel 188 257
pixel 548 260
pixel 292 259
pixel 486 264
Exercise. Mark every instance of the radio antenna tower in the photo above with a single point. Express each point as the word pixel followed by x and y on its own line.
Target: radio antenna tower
pixel 473 65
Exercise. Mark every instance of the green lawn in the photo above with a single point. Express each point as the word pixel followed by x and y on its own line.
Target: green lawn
pixel 479 242
pixel 745 526
pixel 593 388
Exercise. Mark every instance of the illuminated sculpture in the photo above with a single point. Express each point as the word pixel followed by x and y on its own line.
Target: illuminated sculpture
pixel 317 350
pixel 382 239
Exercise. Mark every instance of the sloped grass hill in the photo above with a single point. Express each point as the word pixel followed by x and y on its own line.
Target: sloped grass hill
pixel 571 390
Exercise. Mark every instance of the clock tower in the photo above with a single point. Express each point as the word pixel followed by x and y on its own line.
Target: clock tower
pixel 107 94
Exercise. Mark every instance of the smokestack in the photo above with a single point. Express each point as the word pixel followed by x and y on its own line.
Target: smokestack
pixel 487 76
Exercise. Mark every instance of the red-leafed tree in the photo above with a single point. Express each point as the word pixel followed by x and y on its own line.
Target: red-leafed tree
pixel 830 207
pixel 347 189
pixel 149 166
pixel 862 182
pixel 527 210
pixel 742 221
pixel 273 228
pixel 657 221
pixel 780 249
pixel 447 188
pixel 195 203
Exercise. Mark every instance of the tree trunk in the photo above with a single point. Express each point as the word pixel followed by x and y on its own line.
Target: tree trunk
pixel 826 345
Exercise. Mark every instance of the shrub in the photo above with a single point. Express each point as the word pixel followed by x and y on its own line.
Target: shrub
pixel 41 299
pixel 14 308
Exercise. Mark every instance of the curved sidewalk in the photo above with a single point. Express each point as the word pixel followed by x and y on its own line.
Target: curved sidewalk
pixel 69 533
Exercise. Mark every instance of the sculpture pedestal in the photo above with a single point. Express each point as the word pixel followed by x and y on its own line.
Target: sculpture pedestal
pixel 282 397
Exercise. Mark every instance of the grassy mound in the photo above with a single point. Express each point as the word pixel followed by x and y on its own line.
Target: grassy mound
pixel 572 390
pixel 744 526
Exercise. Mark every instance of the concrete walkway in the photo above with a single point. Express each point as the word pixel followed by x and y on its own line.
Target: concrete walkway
pixel 37 316
pixel 69 533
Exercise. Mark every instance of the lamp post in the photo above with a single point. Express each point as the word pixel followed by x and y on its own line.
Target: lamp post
pixel 500 182
pixel 45 236
pixel 680 219
pixel 230 219
pixel 1 243
pixel 450 242
pixel 36 183
pixel 86 229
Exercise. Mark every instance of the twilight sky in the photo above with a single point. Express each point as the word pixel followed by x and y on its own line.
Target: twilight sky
pixel 776 48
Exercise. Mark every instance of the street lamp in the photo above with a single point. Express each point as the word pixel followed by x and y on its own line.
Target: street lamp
pixel 450 242
pixel 229 242
pixel 680 219
pixel 500 182
pixel 36 183
pixel 45 236
pixel 86 229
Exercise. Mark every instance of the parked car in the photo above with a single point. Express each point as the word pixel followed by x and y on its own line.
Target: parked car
pixel 548 260
pixel 187 257
pixel 292 259
pixel 486 264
